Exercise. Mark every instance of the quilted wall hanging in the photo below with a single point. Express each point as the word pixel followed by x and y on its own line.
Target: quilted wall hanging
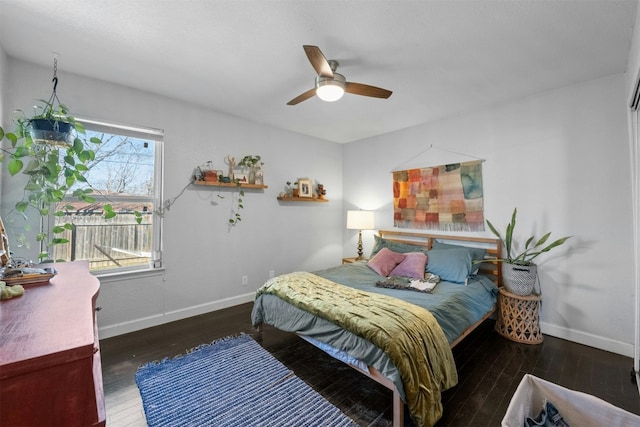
pixel 446 198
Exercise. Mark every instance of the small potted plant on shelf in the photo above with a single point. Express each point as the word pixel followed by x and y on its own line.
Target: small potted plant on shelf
pixel 519 272
pixel 252 164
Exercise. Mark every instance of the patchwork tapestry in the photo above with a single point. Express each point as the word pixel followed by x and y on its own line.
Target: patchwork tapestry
pixel 446 198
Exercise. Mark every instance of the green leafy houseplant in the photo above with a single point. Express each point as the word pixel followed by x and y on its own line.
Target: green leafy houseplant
pixel 249 161
pixel 54 168
pixel 519 272
pixel 54 125
pixel 532 248
pixel 236 217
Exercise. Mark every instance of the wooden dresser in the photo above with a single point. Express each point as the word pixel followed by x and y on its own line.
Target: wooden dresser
pixel 50 371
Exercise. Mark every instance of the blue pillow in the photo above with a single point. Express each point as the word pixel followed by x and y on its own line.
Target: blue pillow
pixel 402 248
pixel 452 265
pixel 477 254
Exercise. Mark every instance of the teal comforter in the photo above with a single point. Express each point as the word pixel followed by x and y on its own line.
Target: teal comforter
pixel 455 306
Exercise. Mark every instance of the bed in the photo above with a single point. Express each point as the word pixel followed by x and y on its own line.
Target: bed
pixel 364 313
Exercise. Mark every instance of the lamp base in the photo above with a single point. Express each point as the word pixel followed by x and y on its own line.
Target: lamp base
pixel 360 251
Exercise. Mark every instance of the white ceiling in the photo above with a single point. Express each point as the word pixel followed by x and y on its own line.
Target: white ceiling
pixel 245 57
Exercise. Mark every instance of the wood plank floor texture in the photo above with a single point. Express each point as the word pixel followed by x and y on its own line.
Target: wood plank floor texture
pixel 490 368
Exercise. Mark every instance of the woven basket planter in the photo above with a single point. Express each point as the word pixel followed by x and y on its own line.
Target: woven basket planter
pixel 519 317
pixel 519 279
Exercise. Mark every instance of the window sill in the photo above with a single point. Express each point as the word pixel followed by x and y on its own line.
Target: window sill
pixel 115 276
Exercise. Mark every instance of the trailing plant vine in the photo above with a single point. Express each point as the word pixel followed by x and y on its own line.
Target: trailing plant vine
pixel 54 169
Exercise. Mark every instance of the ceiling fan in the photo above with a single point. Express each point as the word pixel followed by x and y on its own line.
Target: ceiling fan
pixel 330 86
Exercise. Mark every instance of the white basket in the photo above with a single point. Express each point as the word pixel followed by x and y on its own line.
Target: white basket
pixel 519 279
pixel 578 409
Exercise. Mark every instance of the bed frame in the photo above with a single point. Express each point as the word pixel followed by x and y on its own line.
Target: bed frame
pixel 491 269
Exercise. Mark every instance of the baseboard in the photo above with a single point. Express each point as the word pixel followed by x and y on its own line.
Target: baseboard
pixel 171 316
pixel 596 341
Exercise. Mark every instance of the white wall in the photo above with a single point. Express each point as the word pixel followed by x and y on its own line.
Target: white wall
pixel 204 260
pixel 633 68
pixel 562 158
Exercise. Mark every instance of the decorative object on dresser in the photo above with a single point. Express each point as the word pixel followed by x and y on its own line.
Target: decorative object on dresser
pixel 519 273
pixel 50 370
pixel 360 220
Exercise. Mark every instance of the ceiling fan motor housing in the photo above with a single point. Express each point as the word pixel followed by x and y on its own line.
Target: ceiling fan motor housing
pixel 337 80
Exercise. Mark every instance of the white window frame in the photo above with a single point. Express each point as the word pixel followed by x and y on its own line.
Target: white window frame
pixel 156 135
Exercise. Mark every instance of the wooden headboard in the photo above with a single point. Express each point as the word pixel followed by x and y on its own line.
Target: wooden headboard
pixel 492 246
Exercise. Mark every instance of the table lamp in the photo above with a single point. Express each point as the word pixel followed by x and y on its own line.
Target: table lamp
pixel 360 220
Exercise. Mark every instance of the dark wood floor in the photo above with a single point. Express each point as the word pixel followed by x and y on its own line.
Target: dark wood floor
pixel 489 366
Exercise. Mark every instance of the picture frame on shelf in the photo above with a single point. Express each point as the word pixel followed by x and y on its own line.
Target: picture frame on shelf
pixel 242 178
pixel 305 188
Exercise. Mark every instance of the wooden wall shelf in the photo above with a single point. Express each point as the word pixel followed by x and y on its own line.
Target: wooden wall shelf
pixel 301 199
pixel 229 184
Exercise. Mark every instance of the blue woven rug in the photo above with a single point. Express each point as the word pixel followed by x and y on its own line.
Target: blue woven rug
pixel 231 382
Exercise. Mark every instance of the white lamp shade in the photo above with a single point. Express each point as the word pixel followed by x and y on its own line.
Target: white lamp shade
pixel 360 220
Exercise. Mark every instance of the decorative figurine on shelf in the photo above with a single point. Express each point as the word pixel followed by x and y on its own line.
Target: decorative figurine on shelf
pixel 321 191
pixel 231 161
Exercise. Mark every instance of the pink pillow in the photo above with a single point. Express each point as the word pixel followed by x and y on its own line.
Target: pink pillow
pixel 385 261
pixel 413 266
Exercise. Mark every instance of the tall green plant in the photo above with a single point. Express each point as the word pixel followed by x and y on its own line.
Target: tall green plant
pixel 532 248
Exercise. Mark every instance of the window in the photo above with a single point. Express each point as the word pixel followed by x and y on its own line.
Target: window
pixel 126 174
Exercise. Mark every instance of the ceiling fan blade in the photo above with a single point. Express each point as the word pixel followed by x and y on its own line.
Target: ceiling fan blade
pixel 366 90
pixel 303 97
pixel 318 61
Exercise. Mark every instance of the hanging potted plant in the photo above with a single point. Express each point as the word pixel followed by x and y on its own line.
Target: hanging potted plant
pixel 54 165
pixel 54 124
pixel 519 272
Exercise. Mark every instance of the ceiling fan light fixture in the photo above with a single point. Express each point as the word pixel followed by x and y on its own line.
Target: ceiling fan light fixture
pixel 330 89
